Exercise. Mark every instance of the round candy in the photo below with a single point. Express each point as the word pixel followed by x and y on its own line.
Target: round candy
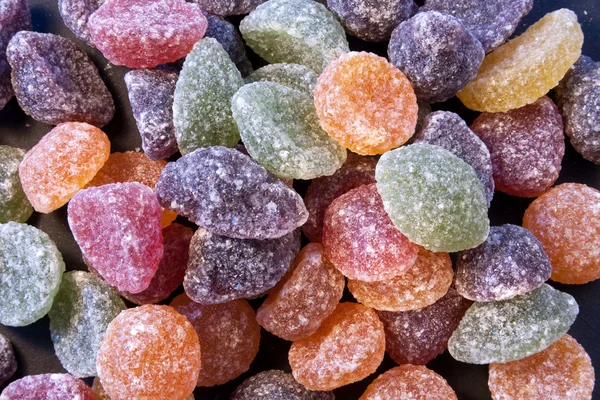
pixel 14 205
pixel 101 394
pixel 47 387
pixel 228 7
pixel 76 14
pixel 8 363
pixel 294 76
pixel 276 385
pixel 227 35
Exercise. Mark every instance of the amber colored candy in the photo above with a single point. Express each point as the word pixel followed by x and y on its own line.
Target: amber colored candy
pixel 566 219
pixel 98 389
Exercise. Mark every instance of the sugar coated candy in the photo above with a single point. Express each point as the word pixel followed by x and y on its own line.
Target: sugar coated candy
pixel 433 197
pixel 276 385
pixel 527 67
pixel 365 103
pixel 450 131
pixel 55 81
pixel 27 255
pixel 508 330
pixel 424 111
pixel 295 31
pixel 145 33
pixel 151 97
pixel 578 97
pixel 418 336
pixel 228 7
pixel 490 21
pixel 8 363
pixel 526 147
pixel 562 371
pixel 361 240
pixel 348 346
pixel 437 54
pixel 414 382
pixel 509 263
pixel 101 394
pixel 80 314
pixel 423 284
pixel 14 205
pixel 202 103
pixel 229 335
pixel 281 131
pixel 165 363
pixel 306 296
pixel 294 76
pixel 227 35
pixel 227 193
pixel 118 229
pixel 76 14
pixel 48 387
pixel 566 219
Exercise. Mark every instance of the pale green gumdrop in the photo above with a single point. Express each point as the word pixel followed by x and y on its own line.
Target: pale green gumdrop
pixel 281 131
pixel 296 32
pixel 202 100
pixel 31 269
pixel 14 205
pixel 82 310
pixel 503 331
pixel 294 76
pixel 433 197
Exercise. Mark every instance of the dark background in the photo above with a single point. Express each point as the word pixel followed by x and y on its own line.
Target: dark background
pixel 32 344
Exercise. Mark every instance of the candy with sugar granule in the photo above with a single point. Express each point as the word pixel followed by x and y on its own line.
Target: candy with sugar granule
pixel 227 35
pixel 14 205
pixel 48 387
pixel 76 14
pixel 228 7
pixel 294 76
pixel 8 363
pixel 276 385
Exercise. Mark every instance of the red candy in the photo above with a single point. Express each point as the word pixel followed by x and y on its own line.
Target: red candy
pixel 48 387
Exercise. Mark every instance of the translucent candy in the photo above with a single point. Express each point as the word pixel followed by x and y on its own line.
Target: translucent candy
pixel 165 363
pixel 437 54
pixel 14 205
pixel 433 197
pixel 227 35
pixel 276 385
pixel 48 387
pixel 509 263
pixel 80 314
pixel 118 229
pixel 562 371
pixel 202 104
pixel 526 145
pixel 8 363
pixel 295 31
pixel 75 15
pixel 281 131
pixel 145 33
pixel 366 104
pixel 229 335
pixel 228 7
pixel 348 346
pixel 294 76
pixel 227 193
pixel 31 268
pixel 304 297
pixel 502 331
pixel 527 67
pixel 566 220
pixel 423 284
pixel 55 81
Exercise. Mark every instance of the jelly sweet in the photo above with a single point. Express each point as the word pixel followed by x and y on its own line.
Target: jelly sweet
pixel 276 385
pixel 14 205
pixel 101 394
pixel 8 363
pixel 294 76
pixel 227 35
pixel 47 387
pixel 228 7
pixel 76 15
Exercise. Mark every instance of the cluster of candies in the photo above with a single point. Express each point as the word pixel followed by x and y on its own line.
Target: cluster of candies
pixel 382 216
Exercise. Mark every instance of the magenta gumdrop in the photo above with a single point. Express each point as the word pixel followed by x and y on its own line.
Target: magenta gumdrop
pixel 48 387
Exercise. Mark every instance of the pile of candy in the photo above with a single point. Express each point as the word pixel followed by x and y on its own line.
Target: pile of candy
pixel 395 189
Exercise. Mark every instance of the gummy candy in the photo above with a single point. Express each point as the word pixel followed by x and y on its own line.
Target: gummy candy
pixel 294 76
pixel 222 269
pixel 227 193
pixel 295 31
pixel 437 54
pixel 281 131
pixel 117 227
pixel 578 97
pixel 80 314
pixel 229 334
pixel 566 219
pixel 75 15
pixel 361 240
pixel 562 371
pixel 8 363
pixel 526 146
pixel 433 197
pixel 527 67
pixel 47 387
pixel 448 130
pixel 508 330
pixel 55 81
pixel 149 352
pixel 424 111
pixel 202 103
pixel 227 35
pixel 348 346
pixel 509 263
pixel 31 268
pixel 14 205
pixel 276 385
pixel 228 7
pixel 366 104
pixel 101 394
pixel 306 296
pixel 418 336
pixel 145 33
pixel 423 284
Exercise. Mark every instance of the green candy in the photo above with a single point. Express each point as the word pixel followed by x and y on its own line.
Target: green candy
pixel 433 197
pixel 281 131
pixel 202 100
pixel 294 76
pixel 14 205
pixel 503 331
